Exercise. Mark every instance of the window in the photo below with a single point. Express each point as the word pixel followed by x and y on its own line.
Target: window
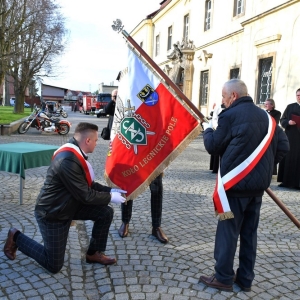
pixel 207 15
pixel 169 38
pixel 186 28
pixel 235 73
pixel 204 88
pixel 238 7
pixel 264 79
pixel 157 45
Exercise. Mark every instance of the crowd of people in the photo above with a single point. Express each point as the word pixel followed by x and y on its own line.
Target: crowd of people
pixel 238 130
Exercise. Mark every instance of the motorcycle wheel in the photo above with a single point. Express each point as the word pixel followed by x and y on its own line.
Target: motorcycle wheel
pixel 23 128
pixel 63 129
pixel 64 114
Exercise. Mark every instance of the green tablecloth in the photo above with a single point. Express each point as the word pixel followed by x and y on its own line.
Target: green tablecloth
pixel 17 157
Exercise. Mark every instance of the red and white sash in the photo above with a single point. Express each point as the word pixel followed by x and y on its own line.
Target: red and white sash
pixel 89 172
pixel 238 173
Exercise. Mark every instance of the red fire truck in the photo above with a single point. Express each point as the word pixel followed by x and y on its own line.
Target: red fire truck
pixel 102 101
pixel 89 104
pixel 95 103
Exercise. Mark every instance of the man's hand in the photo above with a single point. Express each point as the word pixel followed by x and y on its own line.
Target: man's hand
pixel 117 198
pixel 206 125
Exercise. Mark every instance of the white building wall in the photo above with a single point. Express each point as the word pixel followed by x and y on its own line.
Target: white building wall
pixel 266 28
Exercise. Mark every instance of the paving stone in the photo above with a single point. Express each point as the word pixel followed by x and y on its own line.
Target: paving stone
pixel 147 269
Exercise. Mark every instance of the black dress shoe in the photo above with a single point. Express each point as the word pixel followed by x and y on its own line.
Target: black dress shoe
pixel 160 235
pixel 123 230
pixel 212 281
pixel 243 288
pixel 10 247
pixel 100 258
pixel 281 185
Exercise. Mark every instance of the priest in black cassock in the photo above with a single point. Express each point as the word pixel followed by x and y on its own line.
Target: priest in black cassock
pixel 276 114
pixel 289 167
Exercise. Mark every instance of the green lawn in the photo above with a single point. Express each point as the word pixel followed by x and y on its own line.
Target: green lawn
pixel 7 115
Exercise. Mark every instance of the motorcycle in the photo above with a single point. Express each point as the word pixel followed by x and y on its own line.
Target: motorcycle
pixel 39 120
pixel 59 112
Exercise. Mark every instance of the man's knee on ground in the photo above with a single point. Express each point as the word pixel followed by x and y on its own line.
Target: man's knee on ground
pixel 54 269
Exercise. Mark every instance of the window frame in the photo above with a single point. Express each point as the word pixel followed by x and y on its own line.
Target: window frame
pixel 157 45
pixel 262 96
pixel 239 4
pixel 203 93
pixel 232 70
pixel 186 24
pixel 208 11
pixel 170 35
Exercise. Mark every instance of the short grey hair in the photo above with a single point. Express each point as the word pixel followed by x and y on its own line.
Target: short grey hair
pixel 238 86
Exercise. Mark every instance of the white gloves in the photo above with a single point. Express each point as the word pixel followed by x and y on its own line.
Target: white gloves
pixel 206 125
pixel 119 191
pixel 117 198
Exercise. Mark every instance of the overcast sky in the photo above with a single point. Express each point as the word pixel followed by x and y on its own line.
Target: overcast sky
pixel 95 53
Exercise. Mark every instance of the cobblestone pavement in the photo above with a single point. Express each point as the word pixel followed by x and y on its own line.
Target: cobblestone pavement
pixel 147 269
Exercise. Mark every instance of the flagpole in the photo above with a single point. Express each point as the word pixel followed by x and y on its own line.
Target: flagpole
pixel 119 27
pixel 164 76
pixel 283 207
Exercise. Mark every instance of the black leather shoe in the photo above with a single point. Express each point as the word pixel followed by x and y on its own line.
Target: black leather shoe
pixel 100 258
pixel 281 185
pixel 243 288
pixel 10 247
pixel 123 230
pixel 160 235
pixel 212 281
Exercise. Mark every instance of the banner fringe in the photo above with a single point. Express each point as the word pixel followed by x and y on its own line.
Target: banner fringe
pixel 226 215
pixel 160 168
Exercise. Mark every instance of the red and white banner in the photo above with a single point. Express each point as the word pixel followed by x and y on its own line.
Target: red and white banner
pixel 151 128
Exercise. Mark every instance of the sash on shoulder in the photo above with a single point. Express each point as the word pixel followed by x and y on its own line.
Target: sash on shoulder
pixel 223 184
pixel 89 173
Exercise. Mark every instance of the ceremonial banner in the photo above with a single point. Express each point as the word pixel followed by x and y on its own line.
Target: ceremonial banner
pixel 150 129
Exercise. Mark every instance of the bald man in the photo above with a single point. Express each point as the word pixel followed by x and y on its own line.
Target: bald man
pixel 248 142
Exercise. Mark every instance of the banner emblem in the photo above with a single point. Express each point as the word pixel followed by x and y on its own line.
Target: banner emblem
pixel 133 131
pixel 148 95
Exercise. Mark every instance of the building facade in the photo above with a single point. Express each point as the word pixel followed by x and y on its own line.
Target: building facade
pixel 202 44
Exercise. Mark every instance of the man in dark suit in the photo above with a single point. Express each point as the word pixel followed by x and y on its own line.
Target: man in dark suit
pixel 248 142
pixel 69 193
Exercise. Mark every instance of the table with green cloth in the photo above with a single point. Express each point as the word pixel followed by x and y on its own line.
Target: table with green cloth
pixel 17 157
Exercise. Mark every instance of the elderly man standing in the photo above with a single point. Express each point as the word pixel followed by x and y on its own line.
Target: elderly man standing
pixel 248 142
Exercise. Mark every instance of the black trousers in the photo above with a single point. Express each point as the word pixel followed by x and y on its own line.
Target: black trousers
pixel 156 189
pixel 244 224
pixel 55 235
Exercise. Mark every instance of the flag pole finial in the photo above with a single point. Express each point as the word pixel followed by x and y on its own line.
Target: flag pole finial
pixel 117 25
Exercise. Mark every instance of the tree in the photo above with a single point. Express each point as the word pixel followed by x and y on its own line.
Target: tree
pixel 11 20
pixel 41 42
pixel 32 37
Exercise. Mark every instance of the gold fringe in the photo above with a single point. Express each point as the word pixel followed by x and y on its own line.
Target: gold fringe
pixel 189 138
pixel 226 215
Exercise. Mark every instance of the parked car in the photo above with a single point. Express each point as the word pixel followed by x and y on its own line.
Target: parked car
pixel 12 102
